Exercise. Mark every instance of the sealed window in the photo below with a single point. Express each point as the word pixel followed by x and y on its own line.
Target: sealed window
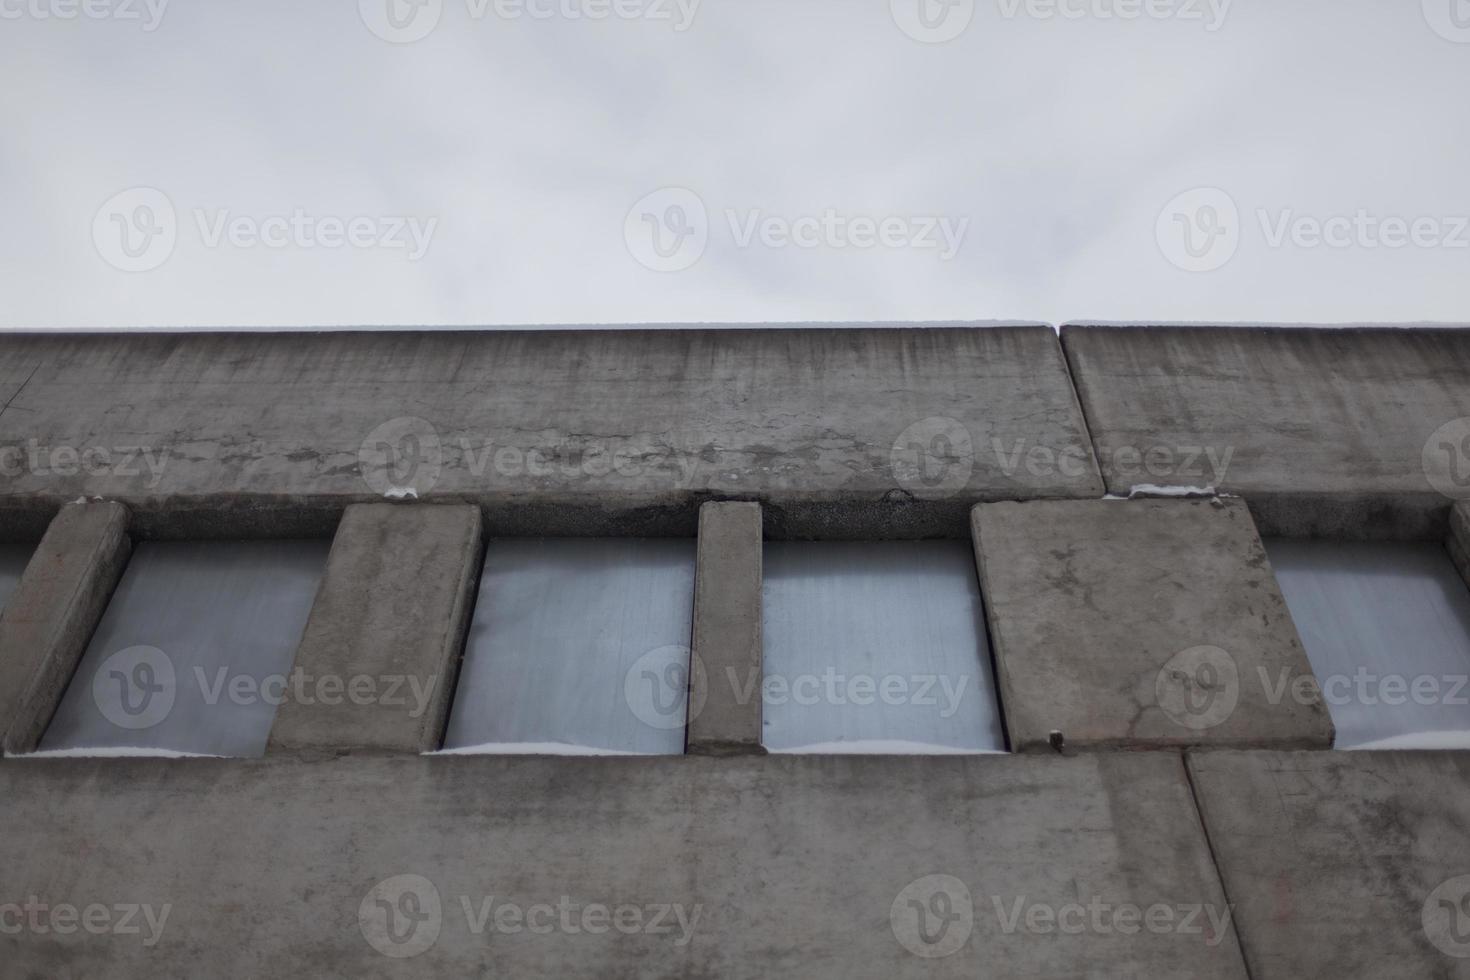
pixel 13 558
pixel 578 646
pixel 876 647
pixel 1387 629
pixel 195 649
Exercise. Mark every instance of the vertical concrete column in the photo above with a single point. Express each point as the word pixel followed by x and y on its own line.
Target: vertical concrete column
pixel 379 656
pixel 51 616
pixel 1458 542
pixel 727 633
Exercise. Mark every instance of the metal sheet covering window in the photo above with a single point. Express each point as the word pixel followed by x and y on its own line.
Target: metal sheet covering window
pixel 13 558
pixel 578 646
pixel 877 647
pixel 1387 629
pixel 194 650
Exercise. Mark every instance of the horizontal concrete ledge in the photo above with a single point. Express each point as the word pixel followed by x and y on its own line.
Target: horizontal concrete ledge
pixel 647 418
pixel 807 866
pixel 1264 411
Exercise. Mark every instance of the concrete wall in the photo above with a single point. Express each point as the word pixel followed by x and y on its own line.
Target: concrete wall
pixel 1072 860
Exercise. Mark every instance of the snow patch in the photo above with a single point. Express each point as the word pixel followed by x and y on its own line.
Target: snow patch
pixel 115 752
pixel 401 493
pixel 1416 740
pixel 531 748
pixel 881 747
pixel 1154 490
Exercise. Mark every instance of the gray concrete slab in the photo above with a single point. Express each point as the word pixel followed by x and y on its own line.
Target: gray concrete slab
pixel 1343 864
pixel 727 632
pixel 551 431
pixel 815 867
pixel 1141 624
pixel 381 650
pixel 1359 433
pixel 50 616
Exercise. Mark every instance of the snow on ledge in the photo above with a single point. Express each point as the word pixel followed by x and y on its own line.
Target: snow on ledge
pixel 115 752
pixel 532 748
pixel 881 747
pixel 1154 490
pixel 1416 740
pixel 401 493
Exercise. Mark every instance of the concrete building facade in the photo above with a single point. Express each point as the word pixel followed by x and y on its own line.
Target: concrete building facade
pixel 1147 786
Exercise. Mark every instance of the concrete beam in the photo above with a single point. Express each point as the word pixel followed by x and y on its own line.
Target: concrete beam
pixel 49 619
pixel 891 432
pixel 393 606
pixel 1342 864
pixel 1141 624
pixel 727 631
pixel 1350 433
pixel 865 868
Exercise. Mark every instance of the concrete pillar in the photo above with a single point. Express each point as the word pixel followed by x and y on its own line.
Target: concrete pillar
pixel 1458 542
pixel 51 616
pixel 380 654
pixel 727 632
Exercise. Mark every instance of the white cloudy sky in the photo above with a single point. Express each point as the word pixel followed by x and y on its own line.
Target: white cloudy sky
pixel 1057 145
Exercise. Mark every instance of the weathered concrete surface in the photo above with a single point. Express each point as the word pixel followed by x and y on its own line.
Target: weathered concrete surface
pixel 1329 433
pixel 1332 859
pixel 49 618
pixel 1457 542
pixel 393 607
pixel 1141 624
pixel 795 864
pixel 862 431
pixel 727 631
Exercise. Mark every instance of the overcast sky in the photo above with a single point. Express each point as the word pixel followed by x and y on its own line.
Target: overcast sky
pixel 283 163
